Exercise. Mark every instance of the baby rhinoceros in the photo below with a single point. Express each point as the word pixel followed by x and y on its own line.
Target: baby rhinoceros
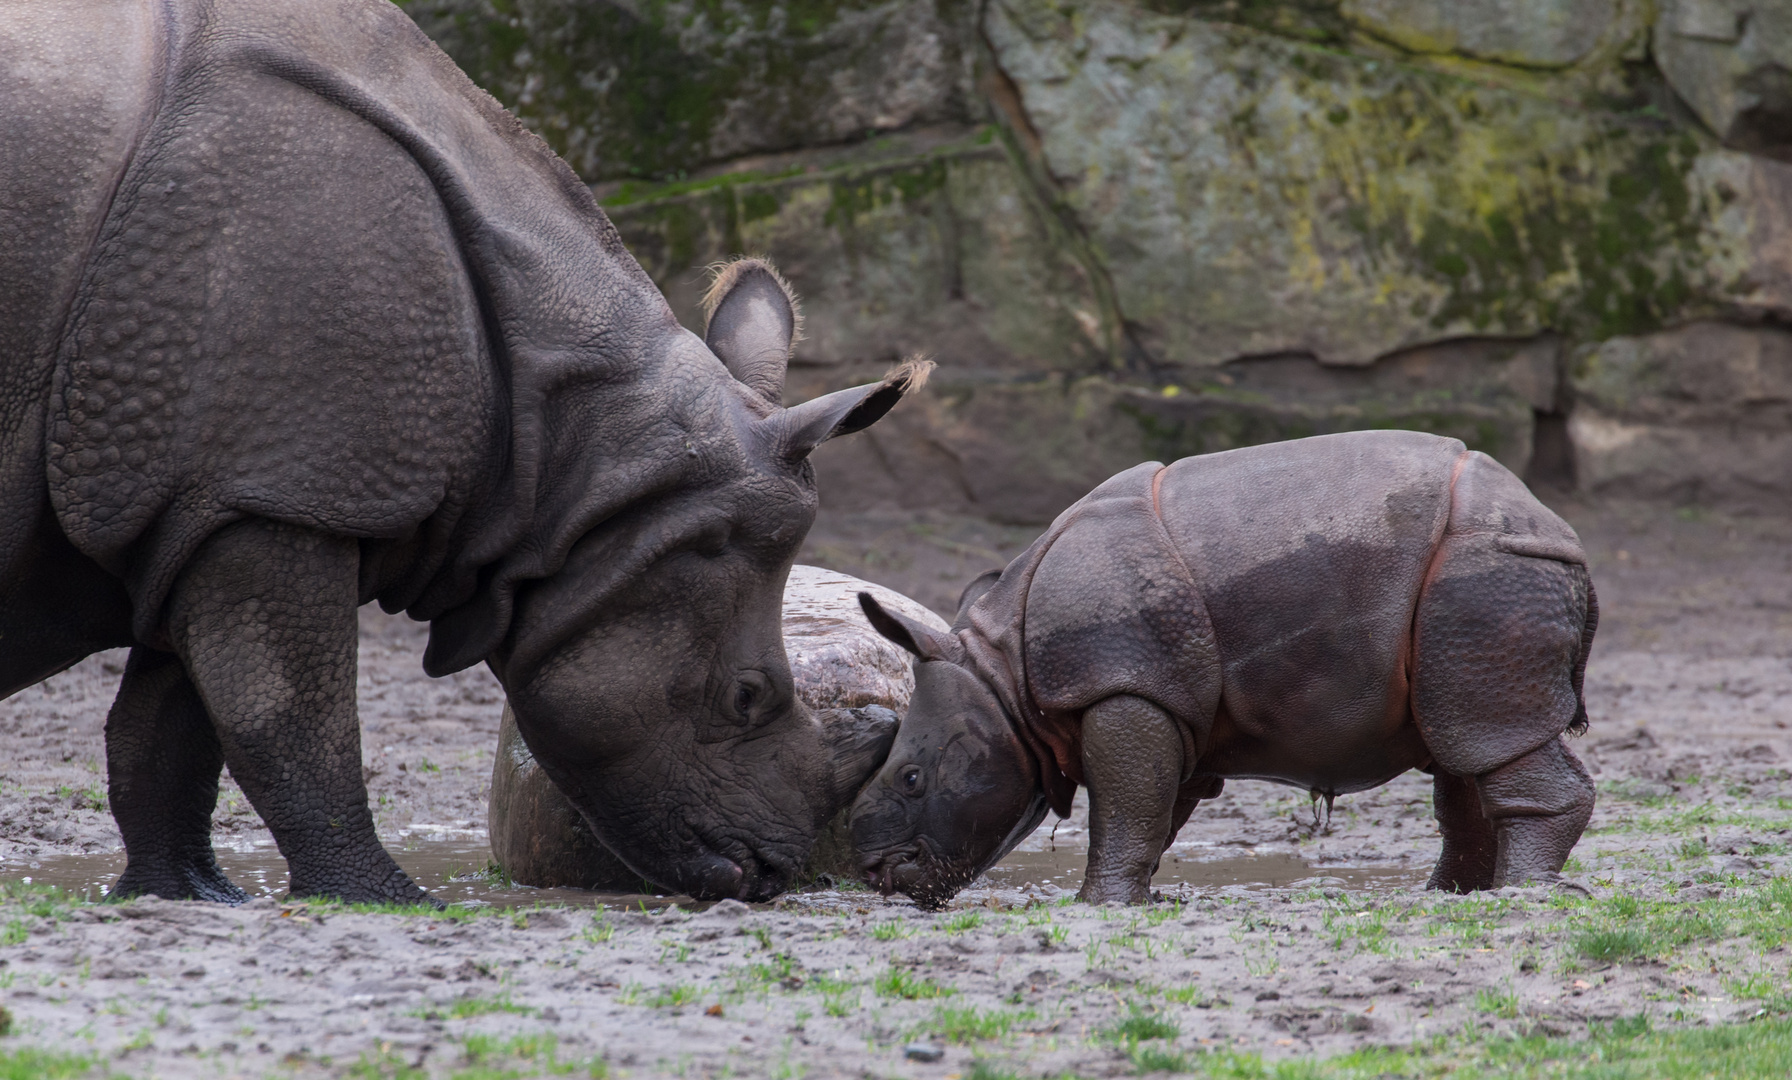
pixel 1326 613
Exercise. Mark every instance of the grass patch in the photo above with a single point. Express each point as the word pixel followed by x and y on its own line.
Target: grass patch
pixel 669 996
pixel 31 1063
pixel 1142 1024
pixel 897 983
pixel 964 920
pixel 1501 1003
pixel 971 1024
pixel 890 931
pixel 466 1008
pixel 1147 1058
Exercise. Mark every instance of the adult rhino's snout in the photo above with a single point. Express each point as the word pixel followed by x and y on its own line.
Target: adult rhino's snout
pixel 858 741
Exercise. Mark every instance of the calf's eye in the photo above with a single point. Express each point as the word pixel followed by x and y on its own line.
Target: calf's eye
pixel 911 778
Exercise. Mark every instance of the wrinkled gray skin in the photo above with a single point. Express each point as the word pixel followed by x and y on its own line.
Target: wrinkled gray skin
pixel 292 318
pixel 1326 613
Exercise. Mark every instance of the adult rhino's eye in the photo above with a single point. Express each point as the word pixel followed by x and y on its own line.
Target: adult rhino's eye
pixel 911 779
pixel 750 690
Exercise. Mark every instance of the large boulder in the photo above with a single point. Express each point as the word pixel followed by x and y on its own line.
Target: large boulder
pixel 1526 33
pixel 1702 413
pixel 1731 61
pixel 845 672
pixel 1251 195
pixel 623 89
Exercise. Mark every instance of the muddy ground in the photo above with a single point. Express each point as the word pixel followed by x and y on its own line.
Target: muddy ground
pixel 1281 934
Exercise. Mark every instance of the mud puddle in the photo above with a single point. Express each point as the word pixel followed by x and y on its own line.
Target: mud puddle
pixel 1062 870
pixel 457 871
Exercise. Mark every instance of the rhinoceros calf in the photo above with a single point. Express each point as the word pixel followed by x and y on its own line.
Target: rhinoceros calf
pixel 1326 613
pixel 293 317
pixel 855 682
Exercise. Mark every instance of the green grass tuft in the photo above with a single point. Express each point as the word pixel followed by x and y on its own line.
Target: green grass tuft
pixel 898 983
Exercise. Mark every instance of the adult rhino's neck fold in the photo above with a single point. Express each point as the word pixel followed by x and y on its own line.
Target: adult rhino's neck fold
pixel 606 456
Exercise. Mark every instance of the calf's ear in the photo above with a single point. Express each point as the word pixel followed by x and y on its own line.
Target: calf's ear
pixel 906 632
pixel 801 428
pixel 974 592
pixel 752 321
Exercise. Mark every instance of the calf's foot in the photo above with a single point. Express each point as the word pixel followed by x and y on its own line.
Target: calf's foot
pixel 1539 805
pixel 162 765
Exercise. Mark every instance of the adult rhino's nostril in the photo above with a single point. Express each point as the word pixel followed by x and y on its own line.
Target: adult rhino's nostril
pixel 715 878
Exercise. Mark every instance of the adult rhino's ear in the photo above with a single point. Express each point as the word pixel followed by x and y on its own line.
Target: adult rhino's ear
pixel 801 428
pixel 974 592
pixel 752 321
pixel 924 643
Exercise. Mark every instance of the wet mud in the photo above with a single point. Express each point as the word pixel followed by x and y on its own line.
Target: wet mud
pixel 1281 931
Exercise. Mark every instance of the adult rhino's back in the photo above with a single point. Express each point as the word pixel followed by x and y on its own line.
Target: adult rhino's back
pixel 78 81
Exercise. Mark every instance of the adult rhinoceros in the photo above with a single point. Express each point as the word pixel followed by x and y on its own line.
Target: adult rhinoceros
pixel 293 317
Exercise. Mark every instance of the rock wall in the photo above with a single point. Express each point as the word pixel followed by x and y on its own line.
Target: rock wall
pixel 1149 228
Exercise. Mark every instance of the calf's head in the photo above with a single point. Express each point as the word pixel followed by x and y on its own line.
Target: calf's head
pixel 959 789
pixel 648 674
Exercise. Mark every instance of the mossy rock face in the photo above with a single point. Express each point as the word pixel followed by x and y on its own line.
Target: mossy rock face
pixel 929 242
pixel 1251 195
pixel 1701 413
pixel 660 88
pixel 1020 449
pixel 1527 33
pixel 1731 61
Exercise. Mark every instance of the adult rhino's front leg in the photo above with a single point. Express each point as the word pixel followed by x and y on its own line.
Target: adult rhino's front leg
pixel 264 620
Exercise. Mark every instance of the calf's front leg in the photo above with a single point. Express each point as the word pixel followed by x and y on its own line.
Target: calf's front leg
pixel 264 620
pixel 1132 764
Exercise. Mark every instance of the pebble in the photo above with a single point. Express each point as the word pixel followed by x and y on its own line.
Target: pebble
pixel 923 1052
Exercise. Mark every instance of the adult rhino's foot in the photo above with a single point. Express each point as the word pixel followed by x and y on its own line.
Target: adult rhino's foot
pixel 197 879
pixel 373 879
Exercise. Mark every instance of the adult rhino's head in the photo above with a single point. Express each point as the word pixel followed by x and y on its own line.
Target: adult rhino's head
pixel 648 674
pixel 959 788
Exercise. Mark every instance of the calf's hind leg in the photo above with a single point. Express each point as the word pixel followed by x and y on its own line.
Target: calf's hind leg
pixel 1470 844
pixel 1498 640
pixel 163 761
pixel 1539 806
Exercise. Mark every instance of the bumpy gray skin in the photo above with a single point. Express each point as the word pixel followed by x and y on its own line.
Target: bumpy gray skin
pixel 1326 613
pixel 293 318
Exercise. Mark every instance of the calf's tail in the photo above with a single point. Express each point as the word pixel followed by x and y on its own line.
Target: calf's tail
pixel 1578 726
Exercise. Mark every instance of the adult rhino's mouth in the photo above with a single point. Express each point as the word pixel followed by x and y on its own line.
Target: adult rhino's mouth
pixel 727 869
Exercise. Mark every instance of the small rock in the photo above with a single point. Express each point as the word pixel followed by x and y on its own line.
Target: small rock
pixel 713 1010
pixel 920 1051
pixel 1269 995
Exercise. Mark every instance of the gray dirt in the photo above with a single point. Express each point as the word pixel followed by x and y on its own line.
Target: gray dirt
pixel 1688 694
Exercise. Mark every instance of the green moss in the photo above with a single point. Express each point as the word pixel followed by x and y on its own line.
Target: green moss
pixel 1628 245
pixel 640 90
pixel 852 196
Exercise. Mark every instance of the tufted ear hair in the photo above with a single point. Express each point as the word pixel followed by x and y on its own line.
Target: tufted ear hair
pixel 925 643
pixel 751 322
pixel 801 428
